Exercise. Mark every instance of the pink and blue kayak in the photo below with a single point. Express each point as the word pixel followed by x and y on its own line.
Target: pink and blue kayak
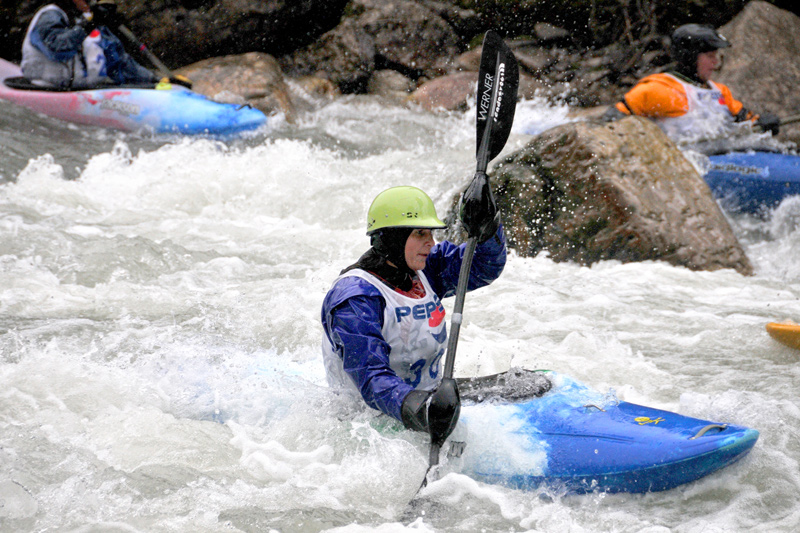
pixel 166 110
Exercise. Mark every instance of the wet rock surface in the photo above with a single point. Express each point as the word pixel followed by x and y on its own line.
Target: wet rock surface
pixel 762 66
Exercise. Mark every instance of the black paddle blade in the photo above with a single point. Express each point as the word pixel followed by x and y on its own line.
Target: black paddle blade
pixel 498 80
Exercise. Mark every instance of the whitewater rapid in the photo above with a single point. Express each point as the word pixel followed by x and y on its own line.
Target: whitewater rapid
pixel 160 364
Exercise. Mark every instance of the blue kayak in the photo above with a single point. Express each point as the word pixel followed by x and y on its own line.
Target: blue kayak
pixel 165 109
pixel 575 440
pixel 528 430
pixel 753 182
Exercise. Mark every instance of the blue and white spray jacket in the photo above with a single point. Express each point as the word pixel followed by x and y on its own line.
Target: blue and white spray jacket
pixel 383 343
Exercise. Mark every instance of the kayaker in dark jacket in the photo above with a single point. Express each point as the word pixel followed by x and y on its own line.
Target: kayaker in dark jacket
pixel 82 55
pixel 385 328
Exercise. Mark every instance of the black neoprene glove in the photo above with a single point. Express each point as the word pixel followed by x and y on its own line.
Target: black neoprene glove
pixel 479 212
pixel 769 122
pixel 435 413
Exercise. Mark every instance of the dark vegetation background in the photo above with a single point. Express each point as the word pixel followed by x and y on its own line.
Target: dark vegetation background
pixel 597 23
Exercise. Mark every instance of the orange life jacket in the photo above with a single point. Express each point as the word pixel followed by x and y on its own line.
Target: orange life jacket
pixel 663 95
pixel 684 110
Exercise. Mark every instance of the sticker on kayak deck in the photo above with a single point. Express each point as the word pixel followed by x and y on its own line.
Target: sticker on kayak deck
pixel 740 169
pixel 642 420
pixel 120 107
pixel 456 449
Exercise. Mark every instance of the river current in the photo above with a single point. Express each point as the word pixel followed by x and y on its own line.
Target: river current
pixel 160 365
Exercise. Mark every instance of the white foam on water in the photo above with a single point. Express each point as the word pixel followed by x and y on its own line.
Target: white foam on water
pixel 493 444
pixel 538 114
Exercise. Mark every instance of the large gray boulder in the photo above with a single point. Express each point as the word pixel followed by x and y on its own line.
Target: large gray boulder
pixel 588 192
pixel 762 66
pixel 410 36
pixel 401 35
pixel 345 55
pixel 447 93
pixel 391 86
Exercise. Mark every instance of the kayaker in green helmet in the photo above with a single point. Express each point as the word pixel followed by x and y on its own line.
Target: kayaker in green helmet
pixel 686 100
pixel 384 324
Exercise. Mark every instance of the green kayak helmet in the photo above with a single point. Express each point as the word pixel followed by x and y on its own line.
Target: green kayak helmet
pixel 402 207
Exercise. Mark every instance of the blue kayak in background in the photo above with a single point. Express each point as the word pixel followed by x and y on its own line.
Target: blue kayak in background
pixel 575 440
pixel 753 182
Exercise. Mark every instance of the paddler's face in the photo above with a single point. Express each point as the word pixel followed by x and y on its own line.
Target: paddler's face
pixel 707 63
pixel 418 246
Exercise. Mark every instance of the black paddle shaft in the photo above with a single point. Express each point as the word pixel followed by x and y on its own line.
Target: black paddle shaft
pixel 497 98
pixel 498 80
pixel 163 70
pixel 458 308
